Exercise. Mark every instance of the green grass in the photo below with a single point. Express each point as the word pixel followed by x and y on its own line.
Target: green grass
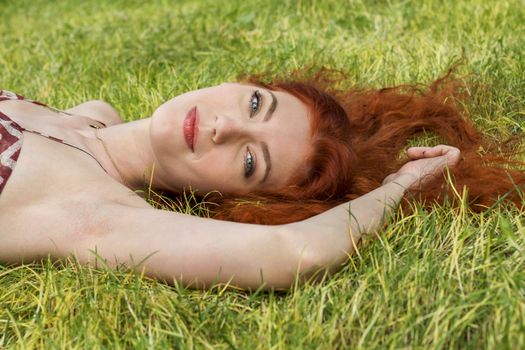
pixel 434 280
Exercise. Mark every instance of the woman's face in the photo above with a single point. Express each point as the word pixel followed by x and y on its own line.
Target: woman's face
pixel 232 138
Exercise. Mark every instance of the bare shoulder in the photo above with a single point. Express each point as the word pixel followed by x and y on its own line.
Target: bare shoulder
pixel 99 110
pixel 46 208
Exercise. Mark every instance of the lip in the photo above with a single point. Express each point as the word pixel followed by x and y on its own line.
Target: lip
pixel 190 128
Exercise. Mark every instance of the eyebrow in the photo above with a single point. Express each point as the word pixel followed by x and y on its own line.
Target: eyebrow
pixel 267 160
pixel 272 108
pixel 264 145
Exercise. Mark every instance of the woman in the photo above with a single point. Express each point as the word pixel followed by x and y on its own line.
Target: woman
pixel 278 146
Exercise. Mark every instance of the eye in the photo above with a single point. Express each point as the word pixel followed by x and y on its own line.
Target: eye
pixel 249 163
pixel 255 103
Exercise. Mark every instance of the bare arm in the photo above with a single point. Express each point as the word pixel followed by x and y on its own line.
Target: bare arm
pixel 201 252
pixel 332 236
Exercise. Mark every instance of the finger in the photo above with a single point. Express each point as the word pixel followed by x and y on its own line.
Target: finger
pixel 453 156
pixel 450 152
pixel 441 150
pixel 417 152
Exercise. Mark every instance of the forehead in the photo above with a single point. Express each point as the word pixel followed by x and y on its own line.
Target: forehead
pixel 290 142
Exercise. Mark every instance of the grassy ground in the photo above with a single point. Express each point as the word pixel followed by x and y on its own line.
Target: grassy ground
pixel 434 280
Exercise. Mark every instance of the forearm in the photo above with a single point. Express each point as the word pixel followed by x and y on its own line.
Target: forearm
pixel 333 235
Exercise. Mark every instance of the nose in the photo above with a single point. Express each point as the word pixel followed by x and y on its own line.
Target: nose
pixel 227 129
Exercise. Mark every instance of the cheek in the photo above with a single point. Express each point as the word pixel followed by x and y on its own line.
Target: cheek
pixel 217 172
pixel 217 165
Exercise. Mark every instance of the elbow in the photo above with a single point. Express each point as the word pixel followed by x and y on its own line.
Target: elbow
pixel 315 253
pixel 306 260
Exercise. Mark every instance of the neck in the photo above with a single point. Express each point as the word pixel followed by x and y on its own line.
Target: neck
pixel 127 155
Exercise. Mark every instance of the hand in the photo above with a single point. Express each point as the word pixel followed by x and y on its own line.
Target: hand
pixel 425 164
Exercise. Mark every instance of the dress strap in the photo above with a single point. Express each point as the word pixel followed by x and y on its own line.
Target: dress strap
pixel 8 95
pixel 52 138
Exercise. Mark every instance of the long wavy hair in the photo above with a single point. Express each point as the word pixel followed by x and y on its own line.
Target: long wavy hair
pixel 358 138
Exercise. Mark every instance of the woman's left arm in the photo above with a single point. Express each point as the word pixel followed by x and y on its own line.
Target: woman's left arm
pixel 367 213
pixel 331 237
pixel 202 252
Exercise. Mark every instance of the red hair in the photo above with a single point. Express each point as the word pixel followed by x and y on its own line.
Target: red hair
pixel 358 136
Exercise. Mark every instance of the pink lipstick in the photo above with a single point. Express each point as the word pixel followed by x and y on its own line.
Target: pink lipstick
pixel 190 128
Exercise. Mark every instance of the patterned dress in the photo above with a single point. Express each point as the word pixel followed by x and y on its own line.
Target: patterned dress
pixel 10 141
